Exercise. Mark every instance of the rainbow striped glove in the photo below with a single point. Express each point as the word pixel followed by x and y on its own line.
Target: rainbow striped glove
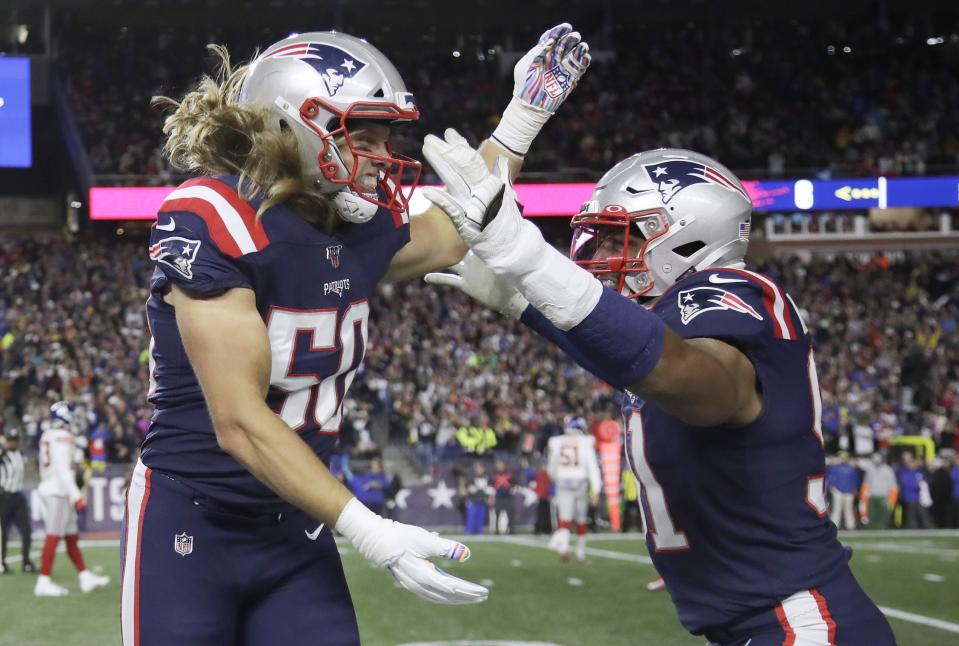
pixel 542 79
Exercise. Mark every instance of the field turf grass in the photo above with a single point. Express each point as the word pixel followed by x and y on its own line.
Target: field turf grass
pixel 534 597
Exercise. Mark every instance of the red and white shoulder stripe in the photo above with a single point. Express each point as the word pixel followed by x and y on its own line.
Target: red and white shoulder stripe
pixel 778 304
pixel 230 220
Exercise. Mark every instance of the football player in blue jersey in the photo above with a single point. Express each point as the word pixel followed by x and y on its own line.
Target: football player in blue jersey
pixel 265 265
pixel 723 414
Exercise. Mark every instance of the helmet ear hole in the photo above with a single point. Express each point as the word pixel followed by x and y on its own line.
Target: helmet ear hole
pixel 689 248
pixel 379 94
pixel 284 126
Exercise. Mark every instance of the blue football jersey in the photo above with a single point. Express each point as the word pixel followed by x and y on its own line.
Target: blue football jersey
pixel 736 515
pixel 313 291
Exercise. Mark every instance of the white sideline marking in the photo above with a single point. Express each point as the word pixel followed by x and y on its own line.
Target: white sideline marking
pixel 933 578
pixel 902 615
pixel 919 619
pixel 908 547
pixel 899 533
pixel 484 642
pixel 592 551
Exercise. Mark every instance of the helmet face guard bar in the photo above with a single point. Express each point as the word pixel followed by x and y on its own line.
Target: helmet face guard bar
pixel 398 166
pixel 591 232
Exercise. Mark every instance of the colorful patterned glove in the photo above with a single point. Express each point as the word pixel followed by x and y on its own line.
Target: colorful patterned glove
pixel 542 79
pixel 546 75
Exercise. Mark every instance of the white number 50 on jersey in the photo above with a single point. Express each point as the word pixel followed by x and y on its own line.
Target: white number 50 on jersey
pixel 329 333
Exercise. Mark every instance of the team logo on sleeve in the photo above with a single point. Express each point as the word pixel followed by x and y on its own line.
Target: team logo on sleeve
pixel 673 176
pixel 695 301
pixel 333 64
pixel 176 252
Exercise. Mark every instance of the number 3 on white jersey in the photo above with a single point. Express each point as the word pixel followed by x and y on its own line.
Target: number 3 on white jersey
pixel 665 536
pixel 283 327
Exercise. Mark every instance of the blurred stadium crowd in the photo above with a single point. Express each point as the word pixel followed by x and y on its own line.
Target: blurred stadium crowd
pixel 73 327
pixel 447 379
pixel 732 91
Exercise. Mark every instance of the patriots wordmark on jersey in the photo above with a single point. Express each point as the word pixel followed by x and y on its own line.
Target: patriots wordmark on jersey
pixel 313 291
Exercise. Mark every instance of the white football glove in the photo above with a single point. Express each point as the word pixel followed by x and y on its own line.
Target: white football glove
pixel 404 550
pixel 458 165
pixel 474 199
pixel 483 208
pixel 472 277
pixel 542 79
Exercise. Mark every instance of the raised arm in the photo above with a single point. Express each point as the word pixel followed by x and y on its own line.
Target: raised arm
pixel 542 79
pixel 703 382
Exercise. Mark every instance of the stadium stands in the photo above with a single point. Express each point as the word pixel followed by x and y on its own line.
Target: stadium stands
pixel 846 97
pixel 73 326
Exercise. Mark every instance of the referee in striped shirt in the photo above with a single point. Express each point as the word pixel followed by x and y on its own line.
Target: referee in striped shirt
pixel 14 508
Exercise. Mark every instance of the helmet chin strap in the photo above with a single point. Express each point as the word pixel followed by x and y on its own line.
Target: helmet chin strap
pixel 353 208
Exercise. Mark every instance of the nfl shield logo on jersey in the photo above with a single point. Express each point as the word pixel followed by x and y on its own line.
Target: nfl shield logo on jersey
pixel 333 255
pixel 183 544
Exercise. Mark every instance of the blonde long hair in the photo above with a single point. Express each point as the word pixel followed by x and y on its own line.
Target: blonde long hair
pixel 210 132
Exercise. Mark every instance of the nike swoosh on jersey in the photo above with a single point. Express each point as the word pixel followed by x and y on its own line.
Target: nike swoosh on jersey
pixel 170 226
pixel 719 280
pixel 315 533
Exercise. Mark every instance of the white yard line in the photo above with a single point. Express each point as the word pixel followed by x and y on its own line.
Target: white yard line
pixel 903 548
pixel 920 619
pixel 899 533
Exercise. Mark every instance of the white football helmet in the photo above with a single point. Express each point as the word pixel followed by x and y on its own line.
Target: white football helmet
pixel 313 84
pixel 66 415
pixel 574 425
pixel 688 211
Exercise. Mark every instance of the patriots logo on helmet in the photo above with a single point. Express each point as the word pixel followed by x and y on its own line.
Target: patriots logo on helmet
pixel 176 252
pixel 333 64
pixel 695 301
pixel 674 175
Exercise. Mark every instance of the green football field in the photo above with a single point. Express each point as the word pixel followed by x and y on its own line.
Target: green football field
pixel 534 597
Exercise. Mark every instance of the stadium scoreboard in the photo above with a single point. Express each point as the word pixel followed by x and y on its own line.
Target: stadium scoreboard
pixel 776 196
pixel 16 146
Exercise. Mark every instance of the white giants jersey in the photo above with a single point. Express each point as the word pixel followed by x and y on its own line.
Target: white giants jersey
pixel 572 461
pixel 58 456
